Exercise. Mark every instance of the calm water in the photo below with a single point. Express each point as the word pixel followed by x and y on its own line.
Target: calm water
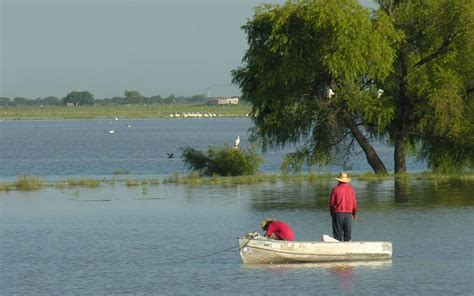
pixel 59 149
pixel 181 240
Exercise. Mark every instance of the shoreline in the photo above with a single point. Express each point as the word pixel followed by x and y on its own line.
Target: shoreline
pixel 124 112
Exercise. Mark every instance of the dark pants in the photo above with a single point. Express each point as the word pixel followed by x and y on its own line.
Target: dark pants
pixel 342 226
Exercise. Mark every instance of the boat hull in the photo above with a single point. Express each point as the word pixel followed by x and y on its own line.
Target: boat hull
pixel 262 250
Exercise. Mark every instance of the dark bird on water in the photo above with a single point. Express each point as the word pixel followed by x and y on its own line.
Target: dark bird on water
pixel 170 155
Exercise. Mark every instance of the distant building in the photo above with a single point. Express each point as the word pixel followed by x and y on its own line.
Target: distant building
pixel 223 101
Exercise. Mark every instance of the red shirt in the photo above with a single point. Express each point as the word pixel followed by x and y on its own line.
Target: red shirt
pixel 343 199
pixel 281 230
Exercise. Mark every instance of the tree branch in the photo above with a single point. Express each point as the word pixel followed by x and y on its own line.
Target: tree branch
pixel 440 51
pixel 348 151
pixel 389 6
pixel 340 140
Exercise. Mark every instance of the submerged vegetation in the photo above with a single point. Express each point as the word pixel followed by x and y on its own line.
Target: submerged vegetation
pixel 28 183
pixel 32 183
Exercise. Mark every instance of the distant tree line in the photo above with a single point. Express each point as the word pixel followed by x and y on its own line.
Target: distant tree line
pixel 81 98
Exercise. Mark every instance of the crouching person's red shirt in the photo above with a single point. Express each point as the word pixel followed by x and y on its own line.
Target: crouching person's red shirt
pixel 281 230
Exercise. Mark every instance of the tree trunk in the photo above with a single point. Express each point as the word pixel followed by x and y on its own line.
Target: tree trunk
pixel 403 110
pixel 399 154
pixel 374 161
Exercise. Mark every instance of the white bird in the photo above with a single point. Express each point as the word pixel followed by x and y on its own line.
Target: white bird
pixel 129 126
pixel 237 142
pixel 111 131
pixel 330 93
pixel 379 93
pixel 116 118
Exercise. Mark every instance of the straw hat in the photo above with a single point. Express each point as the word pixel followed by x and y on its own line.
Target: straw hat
pixel 266 221
pixel 343 177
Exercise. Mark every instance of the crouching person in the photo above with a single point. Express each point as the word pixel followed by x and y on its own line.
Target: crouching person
pixel 278 230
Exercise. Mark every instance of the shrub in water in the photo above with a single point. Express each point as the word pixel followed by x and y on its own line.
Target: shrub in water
pixel 224 161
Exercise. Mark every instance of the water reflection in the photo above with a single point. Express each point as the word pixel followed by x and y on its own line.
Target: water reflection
pixel 401 191
pixel 371 195
pixel 344 273
pixel 344 276
pixel 132 244
pixel 291 195
pixel 339 268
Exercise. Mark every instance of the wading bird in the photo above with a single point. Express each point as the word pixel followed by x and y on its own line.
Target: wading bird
pixel 330 93
pixel 379 93
pixel 237 142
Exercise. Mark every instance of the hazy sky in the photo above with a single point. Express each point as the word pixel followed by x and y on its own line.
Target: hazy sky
pixel 158 47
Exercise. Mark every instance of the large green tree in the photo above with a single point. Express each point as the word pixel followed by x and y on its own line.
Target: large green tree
pixel 310 73
pixel 420 53
pixel 432 83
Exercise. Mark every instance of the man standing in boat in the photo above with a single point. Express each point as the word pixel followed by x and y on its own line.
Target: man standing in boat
pixel 278 230
pixel 343 208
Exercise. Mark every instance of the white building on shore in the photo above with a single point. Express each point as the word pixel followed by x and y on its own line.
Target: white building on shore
pixel 223 101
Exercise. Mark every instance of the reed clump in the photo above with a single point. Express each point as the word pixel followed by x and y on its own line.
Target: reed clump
pixel 6 187
pixel 28 183
pixel 83 182
pixel 133 182
pixel 154 181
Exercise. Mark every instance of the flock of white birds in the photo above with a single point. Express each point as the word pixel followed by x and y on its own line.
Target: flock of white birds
pixel 193 115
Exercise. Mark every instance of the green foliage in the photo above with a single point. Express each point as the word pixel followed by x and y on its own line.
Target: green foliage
pixel 133 97
pixel 224 161
pixel 421 53
pixel 432 82
pixel 297 51
pixel 79 98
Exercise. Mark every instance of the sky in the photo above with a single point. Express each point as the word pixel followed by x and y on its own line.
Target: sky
pixel 156 47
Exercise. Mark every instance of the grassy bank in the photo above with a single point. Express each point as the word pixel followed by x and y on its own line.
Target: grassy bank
pixel 32 183
pixel 122 111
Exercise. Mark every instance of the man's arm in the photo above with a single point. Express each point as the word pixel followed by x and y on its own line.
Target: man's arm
pixel 354 208
pixel 270 230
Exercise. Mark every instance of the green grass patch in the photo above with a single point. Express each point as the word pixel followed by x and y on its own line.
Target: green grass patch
pixel 371 177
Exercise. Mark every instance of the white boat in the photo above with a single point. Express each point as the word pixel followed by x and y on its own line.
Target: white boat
pixel 256 249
